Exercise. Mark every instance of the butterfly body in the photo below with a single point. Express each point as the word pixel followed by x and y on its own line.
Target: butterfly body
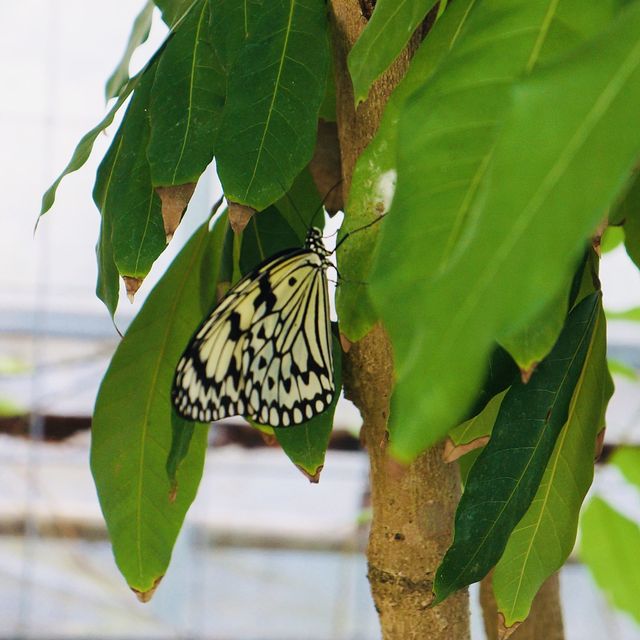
pixel 264 352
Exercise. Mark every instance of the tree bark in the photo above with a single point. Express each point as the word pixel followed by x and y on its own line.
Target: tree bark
pixel 413 508
pixel 544 621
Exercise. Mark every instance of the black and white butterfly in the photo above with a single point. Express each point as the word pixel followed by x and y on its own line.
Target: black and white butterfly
pixel 265 351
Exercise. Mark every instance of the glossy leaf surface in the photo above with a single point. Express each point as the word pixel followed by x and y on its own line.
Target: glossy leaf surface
pixel 505 478
pixel 276 86
pixel 132 430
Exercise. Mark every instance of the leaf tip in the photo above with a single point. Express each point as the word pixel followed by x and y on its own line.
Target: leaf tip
pixel 175 200
pixel 131 285
pixel 145 596
pixel 505 632
pixel 314 478
pixel 239 216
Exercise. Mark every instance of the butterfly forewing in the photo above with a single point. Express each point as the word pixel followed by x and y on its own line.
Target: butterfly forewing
pixel 265 351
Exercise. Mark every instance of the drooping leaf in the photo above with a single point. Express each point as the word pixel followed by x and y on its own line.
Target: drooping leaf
pixel 306 444
pixel 132 424
pixel 186 103
pixel 139 34
pixel 609 544
pixel 385 36
pixel 374 176
pixel 276 86
pixel 496 267
pixel 124 193
pixel 232 23
pixel 544 538
pixel 83 149
pixel 505 477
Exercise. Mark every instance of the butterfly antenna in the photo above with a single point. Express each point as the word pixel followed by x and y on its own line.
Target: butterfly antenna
pixel 350 233
pixel 324 201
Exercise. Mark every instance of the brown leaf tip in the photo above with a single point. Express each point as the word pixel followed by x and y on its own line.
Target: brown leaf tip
pixel 174 203
pixel 131 285
pixel 239 216
pixel 525 374
pixel 314 478
pixel 145 596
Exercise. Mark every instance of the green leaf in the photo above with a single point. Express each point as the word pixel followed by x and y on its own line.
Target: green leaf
pixel 501 373
pixel 504 480
pixel 139 34
pixel 609 547
pixel 301 206
pixel 627 459
pixel 173 10
pixel 479 426
pixel 124 194
pixel 132 424
pixel 629 212
pixel 306 444
pixel 83 149
pixel 530 344
pixel 374 176
pixel 544 538
pixel 616 367
pixel 232 23
pixel 276 87
pixel 108 282
pixel 611 238
pixel 266 234
pixel 495 268
pixel 385 36
pixel 186 103
pixel 630 315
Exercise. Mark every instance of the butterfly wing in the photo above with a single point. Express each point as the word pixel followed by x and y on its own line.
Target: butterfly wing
pixel 265 351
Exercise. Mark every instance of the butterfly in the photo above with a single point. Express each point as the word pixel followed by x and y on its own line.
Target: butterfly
pixel 264 352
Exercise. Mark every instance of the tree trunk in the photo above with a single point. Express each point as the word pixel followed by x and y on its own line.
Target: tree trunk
pixel 544 621
pixel 413 508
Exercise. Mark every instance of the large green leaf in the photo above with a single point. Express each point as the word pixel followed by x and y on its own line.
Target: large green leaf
pixel 124 193
pixel 232 23
pixel 186 103
pixel 374 176
pixel 276 87
pixel 499 262
pixel 385 36
pixel 306 444
pixel 544 538
pixel 504 479
pixel 132 424
pixel 139 34
pixel 609 546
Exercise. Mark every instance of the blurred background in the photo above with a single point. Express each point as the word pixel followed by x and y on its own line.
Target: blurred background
pixel 263 555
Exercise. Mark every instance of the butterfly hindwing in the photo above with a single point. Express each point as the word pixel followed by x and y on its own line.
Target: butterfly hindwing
pixel 265 351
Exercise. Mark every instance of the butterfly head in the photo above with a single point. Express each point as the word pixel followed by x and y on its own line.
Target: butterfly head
pixel 314 242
